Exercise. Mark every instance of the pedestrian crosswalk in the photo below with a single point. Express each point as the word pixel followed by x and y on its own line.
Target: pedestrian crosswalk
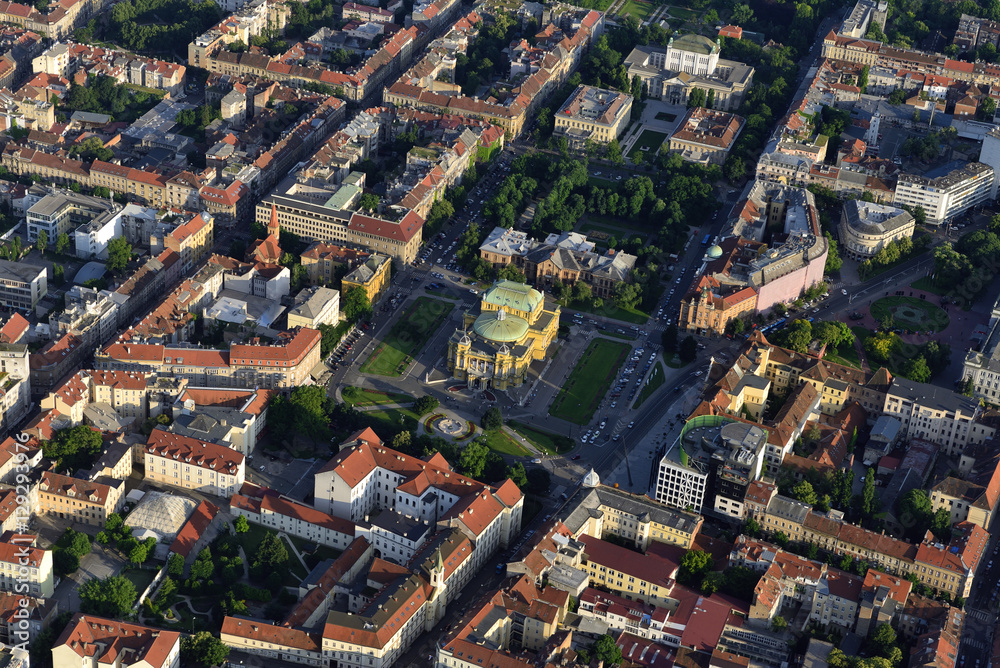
pixel 980 615
pixel 973 643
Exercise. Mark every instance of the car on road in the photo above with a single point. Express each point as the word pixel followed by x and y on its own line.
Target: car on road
pixel 576 457
pixel 843 291
pixel 698 373
pixel 536 460
pixel 631 425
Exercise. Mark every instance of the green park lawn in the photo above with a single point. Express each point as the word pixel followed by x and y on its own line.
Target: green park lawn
pixel 656 379
pixel 681 13
pixel 589 381
pixel 637 8
pixel 500 441
pixel 609 310
pixel 355 396
pixel 649 139
pixel 139 577
pixel 910 313
pixel 543 440
pixel 407 337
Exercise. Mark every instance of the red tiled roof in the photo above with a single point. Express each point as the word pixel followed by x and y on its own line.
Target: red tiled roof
pixel 262 632
pixel 193 529
pixel 648 567
pixel 400 232
pixel 14 328
pixel 63 485
pixel 102 640
pixel 193 451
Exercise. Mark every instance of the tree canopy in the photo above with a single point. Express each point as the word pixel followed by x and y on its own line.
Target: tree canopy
pixel 203 649
pixel 112 597
pixel 73 448
pixel 355 305
pixel 119 254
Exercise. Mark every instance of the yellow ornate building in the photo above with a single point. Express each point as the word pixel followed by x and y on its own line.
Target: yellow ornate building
pixel 512 327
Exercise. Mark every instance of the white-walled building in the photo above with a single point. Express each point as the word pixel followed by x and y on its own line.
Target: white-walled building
pixel 366 477
pixel 943 198
pixel 935 414
pixel 866 228
pixel 22 285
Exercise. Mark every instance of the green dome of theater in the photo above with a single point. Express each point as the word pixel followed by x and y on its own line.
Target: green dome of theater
pixel 500 326
pixel 513 295
pixel 715 252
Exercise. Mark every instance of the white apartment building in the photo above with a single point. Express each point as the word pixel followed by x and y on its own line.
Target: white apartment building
pixel 367 477
pixel 90 315
pixel 15 384
pixel 680 482
pixel 866 228
pixel 190 463
pixel 62 211
pixel 22 285
pixel 935 414
pixel 943 198
pixel 983 366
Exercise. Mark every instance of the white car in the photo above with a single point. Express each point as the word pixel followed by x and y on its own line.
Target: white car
pixel 843 291
pixel 698 373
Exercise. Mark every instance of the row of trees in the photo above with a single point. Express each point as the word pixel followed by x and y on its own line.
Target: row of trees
pixel 800 333
pixel 896 251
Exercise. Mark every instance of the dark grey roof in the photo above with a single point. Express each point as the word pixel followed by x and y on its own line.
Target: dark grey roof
pixel 932 396
pixel 589 500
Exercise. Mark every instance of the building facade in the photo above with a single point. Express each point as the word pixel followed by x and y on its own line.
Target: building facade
pixel 190 463
pixel 512 327
pixel 593 114
pixel 866 228
pixel 944 198
pixel 22 285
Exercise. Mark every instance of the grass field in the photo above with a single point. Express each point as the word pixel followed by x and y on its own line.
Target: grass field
pixel 654 383
pixel 543 440
pixel 499 441
pixel 139 577
pixel 910 313
pixel 589 381
pixel 609 310
pixel 355 396
pixel 394 417
pixel 648 139
pixel 637 8
pixel 681 13
pixel 407 337
pixel 599 181
pixel 926 284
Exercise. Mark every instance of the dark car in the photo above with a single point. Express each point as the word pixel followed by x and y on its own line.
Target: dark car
pixel 576 457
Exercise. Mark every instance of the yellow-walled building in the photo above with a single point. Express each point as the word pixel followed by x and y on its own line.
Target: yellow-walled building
pixel 372 276
pixel 512 327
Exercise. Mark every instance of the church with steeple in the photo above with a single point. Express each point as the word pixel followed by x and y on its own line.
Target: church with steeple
pixel 267 250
